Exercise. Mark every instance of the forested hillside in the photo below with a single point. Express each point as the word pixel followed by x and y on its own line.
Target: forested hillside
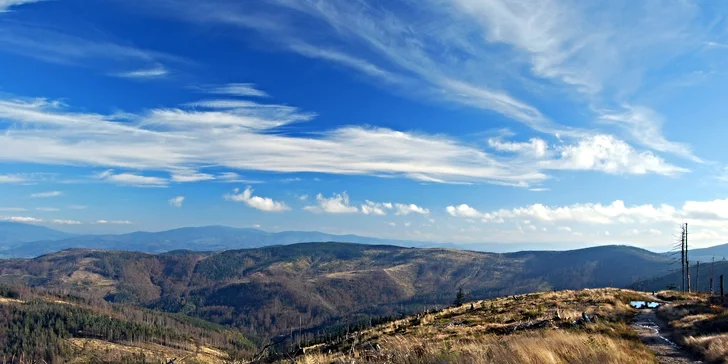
pixel 269 291
pixel 52 328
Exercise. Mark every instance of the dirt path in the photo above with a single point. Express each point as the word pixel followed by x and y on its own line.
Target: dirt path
pixel 648 328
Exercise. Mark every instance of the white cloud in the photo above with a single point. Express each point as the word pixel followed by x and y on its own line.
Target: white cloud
pixel 645 126
pixel 47 209
pixel 564 228
pixel 176 201
pixel 66 222
pixel 337 204
pixel 463 210
pixel 5 5
pixel 375 208
pixel 23 219
pixel 12 209
pixel 146 73
pixel 131 179
pixel 46 194
pixel 535 146
pixel 192 176
pixel 50 45
pixel 406 209
pixel 114 222
pixel 77 207
pixel 303 197
pixel 607 154
pixel 11 178
pixel 177 140
pixel 257 202
pixel 234 89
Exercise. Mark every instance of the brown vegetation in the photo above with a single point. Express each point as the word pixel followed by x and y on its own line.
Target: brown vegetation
pixel 699 326
pixel 534 328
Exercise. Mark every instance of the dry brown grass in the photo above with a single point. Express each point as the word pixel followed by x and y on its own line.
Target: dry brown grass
pixel 492 332
pixel 712 347
pixel 700 327
pixel 531 347
pixel 88 349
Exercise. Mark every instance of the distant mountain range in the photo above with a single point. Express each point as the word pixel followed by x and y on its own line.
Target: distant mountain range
pixel 26 241
pixel 13 234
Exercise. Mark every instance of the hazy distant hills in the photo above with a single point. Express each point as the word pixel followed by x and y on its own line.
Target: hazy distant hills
pixel 13 234
pixel 25 241
pixel 266 291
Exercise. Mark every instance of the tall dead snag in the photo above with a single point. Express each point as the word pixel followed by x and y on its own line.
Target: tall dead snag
pixel 687 262
pixel 697 278
pixel 682 256
pixel 712 275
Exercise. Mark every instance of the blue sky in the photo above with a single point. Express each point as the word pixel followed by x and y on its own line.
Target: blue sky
pixel 570 123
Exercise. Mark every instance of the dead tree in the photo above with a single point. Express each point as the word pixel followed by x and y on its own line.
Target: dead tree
pixel 712 275
pixel 697 278
pixel 687 262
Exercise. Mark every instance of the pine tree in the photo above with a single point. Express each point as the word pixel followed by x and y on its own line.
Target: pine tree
pixel 459 297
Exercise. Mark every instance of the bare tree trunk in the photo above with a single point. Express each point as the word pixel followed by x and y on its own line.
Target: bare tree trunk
pixel 687 262
pixel 682 256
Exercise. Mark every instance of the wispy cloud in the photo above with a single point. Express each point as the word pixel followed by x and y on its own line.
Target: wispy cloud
pixel 261 203
pixel 475 53
pixel 176 201
pixel 65 222
pixel 234 89
pixel 131 179
pixel 12 178
pixel 47 209
pixel 113 222
pixel 6 5
pixel 46 194
pixel 23 219
pixel 53 46
pixel 245 139
pixel 147 73
pixel 191 176
pixel 12 209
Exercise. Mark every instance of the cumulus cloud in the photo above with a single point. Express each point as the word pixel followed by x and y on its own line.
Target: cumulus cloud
pixel 257 202
pixel 46 194
pixel 406 209
pixel 375 208
pixel 336 204
pixel 176 201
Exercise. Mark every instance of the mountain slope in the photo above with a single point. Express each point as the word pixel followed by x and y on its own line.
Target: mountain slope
pixel 673 280
pixel 719 252
pixel 269 290
pixel 13 233
pixel 64 328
